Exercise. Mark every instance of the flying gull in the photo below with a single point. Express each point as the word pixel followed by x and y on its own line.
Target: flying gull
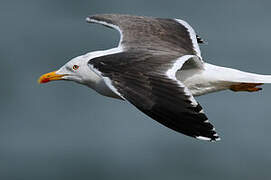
pixel 158 68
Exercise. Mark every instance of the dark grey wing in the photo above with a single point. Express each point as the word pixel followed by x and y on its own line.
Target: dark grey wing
pixel 148 82
pixel 161 34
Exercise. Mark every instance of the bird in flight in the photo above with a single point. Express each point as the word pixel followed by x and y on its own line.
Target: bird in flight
pixel 158 68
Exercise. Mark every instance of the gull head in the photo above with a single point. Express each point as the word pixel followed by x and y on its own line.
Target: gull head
pixel 76 70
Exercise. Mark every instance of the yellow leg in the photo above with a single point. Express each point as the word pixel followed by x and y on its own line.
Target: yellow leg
pixel 250 87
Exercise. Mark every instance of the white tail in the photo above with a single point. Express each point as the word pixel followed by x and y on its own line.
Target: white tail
pixel 216 78
pixel 236 76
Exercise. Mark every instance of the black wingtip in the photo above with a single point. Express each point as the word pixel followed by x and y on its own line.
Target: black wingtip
pixel 200 40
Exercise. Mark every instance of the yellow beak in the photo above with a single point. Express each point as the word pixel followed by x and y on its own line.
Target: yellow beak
pixel 51 76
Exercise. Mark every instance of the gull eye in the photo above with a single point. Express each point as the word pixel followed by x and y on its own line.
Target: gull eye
pixel 75 67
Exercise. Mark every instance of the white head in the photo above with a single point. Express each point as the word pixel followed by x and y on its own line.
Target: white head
pixel 76 70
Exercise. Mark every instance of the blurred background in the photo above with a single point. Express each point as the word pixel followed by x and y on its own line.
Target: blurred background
pixel 62 130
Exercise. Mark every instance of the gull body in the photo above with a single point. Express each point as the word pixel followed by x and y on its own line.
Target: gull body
pixel 206 78
pixel 158 68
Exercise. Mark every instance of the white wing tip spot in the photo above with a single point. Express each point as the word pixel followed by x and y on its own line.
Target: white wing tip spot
pixel 209 139
pixel 207 121
pixel 203 138
pixel 88 19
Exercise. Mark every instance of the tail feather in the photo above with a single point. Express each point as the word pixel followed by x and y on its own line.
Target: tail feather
pixel 234 75
pixel 246 77
pixel 216 78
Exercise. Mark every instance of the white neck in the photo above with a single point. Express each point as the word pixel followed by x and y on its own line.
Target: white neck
pixel 96 81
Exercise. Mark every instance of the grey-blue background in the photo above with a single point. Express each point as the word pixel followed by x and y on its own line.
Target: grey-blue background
pixel 61 130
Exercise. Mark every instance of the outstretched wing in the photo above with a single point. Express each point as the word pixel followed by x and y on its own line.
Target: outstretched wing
pixel 148 81
pixel 146 33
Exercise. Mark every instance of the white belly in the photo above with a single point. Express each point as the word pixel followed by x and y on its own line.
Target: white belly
pixel 202 81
